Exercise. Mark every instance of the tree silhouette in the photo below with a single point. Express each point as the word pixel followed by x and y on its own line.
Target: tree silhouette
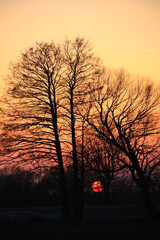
pixel 46 86
pixel 59 97
pixel 125 114
pixel 102 161
pixel 31 130
pixel 80 65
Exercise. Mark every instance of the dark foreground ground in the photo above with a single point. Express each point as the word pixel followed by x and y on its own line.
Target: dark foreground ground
pixel 99 223
pixel 109 230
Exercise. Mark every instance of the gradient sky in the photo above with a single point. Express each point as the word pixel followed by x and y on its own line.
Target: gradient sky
pixel 124 33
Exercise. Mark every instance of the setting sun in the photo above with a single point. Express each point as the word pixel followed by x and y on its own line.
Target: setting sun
pixel 97 186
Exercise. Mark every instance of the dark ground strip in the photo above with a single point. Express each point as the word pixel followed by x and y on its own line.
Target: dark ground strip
pixel 109 230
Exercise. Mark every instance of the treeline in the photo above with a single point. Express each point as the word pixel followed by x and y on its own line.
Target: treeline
pixel 20 188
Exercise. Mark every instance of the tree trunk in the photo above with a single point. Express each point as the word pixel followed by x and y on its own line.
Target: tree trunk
pixel 143 184
pixel 150 210
pixel 64 197
pixel 63 186
pixel 77 203
pixel 82 176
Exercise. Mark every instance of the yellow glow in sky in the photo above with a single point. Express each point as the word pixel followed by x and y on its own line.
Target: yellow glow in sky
pixel 124 33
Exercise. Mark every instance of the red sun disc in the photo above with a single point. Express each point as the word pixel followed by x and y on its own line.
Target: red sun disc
pixel 97 186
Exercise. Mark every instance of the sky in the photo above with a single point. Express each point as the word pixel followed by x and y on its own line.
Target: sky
pixel 123 33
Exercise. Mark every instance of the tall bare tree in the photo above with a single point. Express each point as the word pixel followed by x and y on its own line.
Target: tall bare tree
pixel 32 128
pixel 80 67
pixel 125 114
pixel 46 86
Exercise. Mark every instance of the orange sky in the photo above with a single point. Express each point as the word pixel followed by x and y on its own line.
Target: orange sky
pixel 124 33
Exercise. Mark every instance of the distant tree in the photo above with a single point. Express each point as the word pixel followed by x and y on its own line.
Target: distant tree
pixel 16 187
pixel 125 114
pixel 46 190
pixel 102 161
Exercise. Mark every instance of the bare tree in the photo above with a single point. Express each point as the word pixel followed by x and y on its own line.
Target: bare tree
pixel 33 108
pixel 46 87
pixel 125 114
pixel 80 66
